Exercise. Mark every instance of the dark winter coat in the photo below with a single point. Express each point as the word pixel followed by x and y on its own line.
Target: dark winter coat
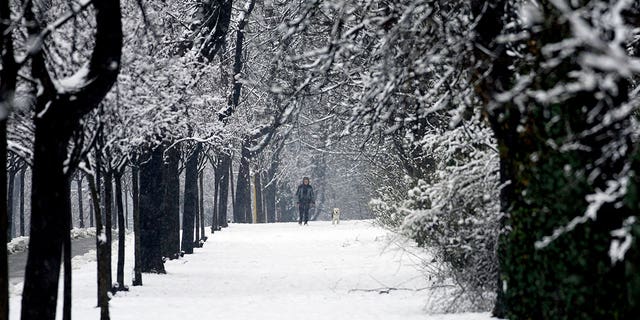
pixel 305 194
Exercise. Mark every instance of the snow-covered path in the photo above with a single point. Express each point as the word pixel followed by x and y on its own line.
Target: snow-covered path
pixel 273 271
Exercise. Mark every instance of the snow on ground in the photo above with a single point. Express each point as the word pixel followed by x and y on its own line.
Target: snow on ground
pixel 18 244
pixel 21 244
pixel 270 271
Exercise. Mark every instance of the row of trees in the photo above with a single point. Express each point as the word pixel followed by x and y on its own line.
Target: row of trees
pixel 511 133
pixel 501 135
pixel 147 106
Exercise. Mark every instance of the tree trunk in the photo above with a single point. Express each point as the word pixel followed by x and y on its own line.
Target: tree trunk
pixel 551 180
pixel 259 201
pixel 285 213
pixel 137 265
pixel 10 206
pixel 103 271
pixel 242 208
pixel 201 207
pixel 217 16
pixel 66 306
pixel 22 173
pixel 126 208
pixel 91 217
pixel 238 56
pixel 4 263
pixel 190 200
pixel 171 204
pixel 50 211
pixel 225 171
pixel 8 76
pixel 114 208
pixel 108 200
pixel 231 187
pixel 121 233
pixel 151 193
pixel 215 218
pixel 59 113
pixel 80 195
pixel 271 191
pixel 196 243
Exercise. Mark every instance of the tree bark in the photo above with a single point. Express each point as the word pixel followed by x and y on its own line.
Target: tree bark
pixel 201 206
pixel 217 16
pixel 262 218
pixel 80 195
pixel 271 190
pixel 101 242
pixel 121 233
pixel 196 242
pixel 190 200
pixel 171 204
pixel 10 205
pixel 137 266
pixel 4 263
pixel 151 193
pixel 215 218
pixel 91 216
pixel 242 203
pixel 238 57
pixel 125 194
pixel 231 188
pixel 114 207
pixel 223 192
pixel 489 26
pixel 108 200
pixel 286 213
pixel 8 75
pixel 549 186
pixel 242 208
pixel 49 213
pixel 66 307
pixel 22 228
pixel 59 111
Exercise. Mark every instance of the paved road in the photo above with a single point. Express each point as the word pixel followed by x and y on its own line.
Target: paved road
pixel 18 261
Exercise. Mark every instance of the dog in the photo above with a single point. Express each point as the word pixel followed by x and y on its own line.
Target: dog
pixel 336 216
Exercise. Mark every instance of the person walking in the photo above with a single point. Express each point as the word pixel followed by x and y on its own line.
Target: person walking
pixel 306 199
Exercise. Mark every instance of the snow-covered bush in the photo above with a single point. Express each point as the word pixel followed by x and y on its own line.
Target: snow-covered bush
pixel 456 215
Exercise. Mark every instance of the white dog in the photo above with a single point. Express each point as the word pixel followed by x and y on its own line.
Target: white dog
pixel 336 216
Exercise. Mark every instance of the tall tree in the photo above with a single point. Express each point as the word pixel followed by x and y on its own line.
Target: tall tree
pixel 104 286
pixel 201 204
pixel 170 206
pixel 538 137
pixel 66 252
pixel 224 173
pixel 190 209
pixel 13 167
pixel 151 191
pixel 259 205
pixel 121 229
pixel 107 200
pixel 21 199
pixel 8 76
pixel 80 195
pixel 60 108
pixel 215 218
pixel 271 188
pixel 242 206
pixel 198 222
pixel 137 264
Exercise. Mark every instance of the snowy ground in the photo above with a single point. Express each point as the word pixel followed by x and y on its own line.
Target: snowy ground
pixel 270 271
pixel 21 244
